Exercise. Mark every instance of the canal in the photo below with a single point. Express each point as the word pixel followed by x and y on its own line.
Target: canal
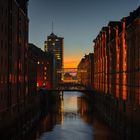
pixel 71 117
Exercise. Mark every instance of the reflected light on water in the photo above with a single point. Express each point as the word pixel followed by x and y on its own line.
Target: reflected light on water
pixel 70 117
pixel 70 104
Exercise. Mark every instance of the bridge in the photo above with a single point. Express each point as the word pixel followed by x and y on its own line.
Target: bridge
pixel 70 75
pixel 70 87
pixel 70 70
pixel 67 87
pixel 69 80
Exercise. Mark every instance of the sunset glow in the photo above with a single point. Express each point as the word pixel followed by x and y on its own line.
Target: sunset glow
pixel 71 62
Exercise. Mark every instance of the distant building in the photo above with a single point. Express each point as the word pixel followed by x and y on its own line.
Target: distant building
pixel 86 70
pixel 46 71
pixel 68 76
pixel 55 45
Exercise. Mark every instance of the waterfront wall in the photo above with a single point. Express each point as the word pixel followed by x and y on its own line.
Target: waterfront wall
pixel 117 74
pixel 19 102
pixel 13 59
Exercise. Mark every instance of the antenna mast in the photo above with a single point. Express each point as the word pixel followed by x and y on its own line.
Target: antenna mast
pixel 52 26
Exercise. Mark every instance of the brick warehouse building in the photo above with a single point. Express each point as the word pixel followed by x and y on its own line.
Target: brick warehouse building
pixel 46 68
pixel 117 73
pixel 13 56
pixel 32 71
pixel 85 71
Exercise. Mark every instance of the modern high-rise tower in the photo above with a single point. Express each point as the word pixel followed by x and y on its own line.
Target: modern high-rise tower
pixel 55 45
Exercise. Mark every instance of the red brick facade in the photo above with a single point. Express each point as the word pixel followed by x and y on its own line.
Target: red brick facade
pixel 116 58
pixel 13 56
pixel 117 73
pixel 86 71
pixel 45 68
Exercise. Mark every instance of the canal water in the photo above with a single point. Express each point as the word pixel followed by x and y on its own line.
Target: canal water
pixel 74 119
pixel 71 117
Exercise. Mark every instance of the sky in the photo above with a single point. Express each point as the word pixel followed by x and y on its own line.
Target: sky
pixel 78 21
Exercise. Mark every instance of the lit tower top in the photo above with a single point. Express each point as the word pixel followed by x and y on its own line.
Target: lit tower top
pixel 55 45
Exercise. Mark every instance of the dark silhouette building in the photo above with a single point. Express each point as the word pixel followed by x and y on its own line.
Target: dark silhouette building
pixel 32 71
pixel 46 71
pixel 13 58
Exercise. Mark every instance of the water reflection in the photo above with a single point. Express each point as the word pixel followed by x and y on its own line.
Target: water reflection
pixel 77 121
pixel 72 125
pixel 71 117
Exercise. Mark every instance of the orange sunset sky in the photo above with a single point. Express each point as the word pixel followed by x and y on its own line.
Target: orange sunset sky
pixel 71 62
pixel 73 57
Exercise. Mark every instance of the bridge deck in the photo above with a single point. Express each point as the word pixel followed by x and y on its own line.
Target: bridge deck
pixel 69 87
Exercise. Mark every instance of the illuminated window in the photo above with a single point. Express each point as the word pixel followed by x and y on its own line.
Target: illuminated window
pixel 45 78
pixel 45 68
pixel 38 62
